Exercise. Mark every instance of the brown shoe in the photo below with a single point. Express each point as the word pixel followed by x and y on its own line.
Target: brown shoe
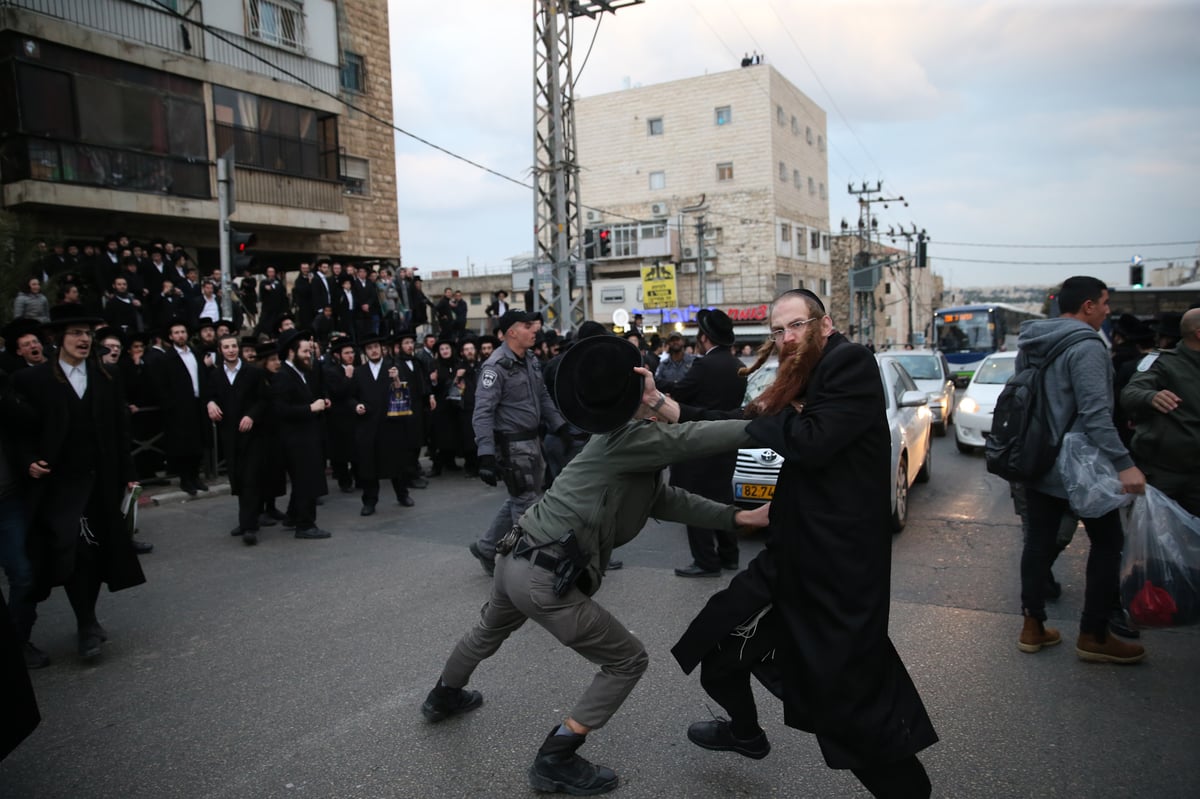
pixel 1035 635
pixel 1110 650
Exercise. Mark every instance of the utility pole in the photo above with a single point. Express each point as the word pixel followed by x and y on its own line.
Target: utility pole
pixel 701 276
pixel 226 203
pixel 911 260
pixel 558 225
pixel 863 274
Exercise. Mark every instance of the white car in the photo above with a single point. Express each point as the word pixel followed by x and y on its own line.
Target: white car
pixel 909 419
pixel 973 417
pixel 931 373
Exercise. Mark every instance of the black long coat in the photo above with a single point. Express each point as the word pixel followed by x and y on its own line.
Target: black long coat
pixel 41 399
pixel 447 419
pixel 341 420
pixel 299 430
pixel 246 396
pixel 712 383
pixel 827 569
pixel 382 443
pixel 183 416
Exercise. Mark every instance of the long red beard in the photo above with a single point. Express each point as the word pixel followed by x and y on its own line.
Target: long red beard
pixel 796 363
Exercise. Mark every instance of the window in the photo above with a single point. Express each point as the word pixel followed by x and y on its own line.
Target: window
pixel 725 171
pixel 783 171
pixel 658 180
pixel 812 186
pixel 825 242
pixel 815 239
pixel 801 242
pixel 654 126
pixel 779 115
pixel 353 75
pixel 276 136
pixel 724 115
pixel 356 175
pixel 820 142
pixel 796 180
pixel 808 134
pixel 824 196
pixel 477 299
pixel 715 235
pixel 824 287
pixel 623 241
pixel 785 231
pixel 783 282
pixel 887 288
pixel 277 22
pixel 800 283
pixel 795 126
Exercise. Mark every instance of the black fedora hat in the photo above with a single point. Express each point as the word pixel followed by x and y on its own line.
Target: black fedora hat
pixel 716 325
pixel 1168 323
pixel 265 349
pixel 71 313
pixel 596 388
pixel 339 343
pixel 1132 329
pixel 289 338
pixel 18 328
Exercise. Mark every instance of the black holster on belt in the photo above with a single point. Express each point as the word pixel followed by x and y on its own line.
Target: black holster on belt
pixel 514 478
pixel 570 567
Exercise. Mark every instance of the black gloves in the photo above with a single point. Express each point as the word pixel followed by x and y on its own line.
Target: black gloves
pixel 487 469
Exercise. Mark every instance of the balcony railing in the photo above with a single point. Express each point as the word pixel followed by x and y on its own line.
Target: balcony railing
pixel 144 23
pixel 55 161
pixel 272 188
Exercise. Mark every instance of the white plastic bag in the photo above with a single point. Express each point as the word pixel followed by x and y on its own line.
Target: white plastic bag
pixel 1160 567
pixel 1093 488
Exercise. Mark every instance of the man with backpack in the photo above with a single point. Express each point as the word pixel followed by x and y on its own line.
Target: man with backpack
pixel 1074 394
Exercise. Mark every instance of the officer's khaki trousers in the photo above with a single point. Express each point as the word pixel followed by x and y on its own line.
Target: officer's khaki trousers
pixel 520 591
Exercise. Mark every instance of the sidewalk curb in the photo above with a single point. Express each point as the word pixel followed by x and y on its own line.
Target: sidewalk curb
pixel 217 489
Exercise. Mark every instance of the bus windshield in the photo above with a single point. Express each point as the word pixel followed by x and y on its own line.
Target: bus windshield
pixel 965 331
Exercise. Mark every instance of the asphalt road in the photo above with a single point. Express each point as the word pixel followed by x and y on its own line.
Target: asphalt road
pixel 296 668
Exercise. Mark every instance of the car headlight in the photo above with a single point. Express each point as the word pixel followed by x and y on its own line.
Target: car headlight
pixel 968 405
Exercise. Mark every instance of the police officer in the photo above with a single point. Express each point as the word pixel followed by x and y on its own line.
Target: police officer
pixel 602 499
pixel 1163 398
pixel 511 402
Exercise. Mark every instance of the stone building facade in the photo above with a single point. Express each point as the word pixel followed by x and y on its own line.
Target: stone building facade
pixel 893 302
pixel 122 109
pixel 744 151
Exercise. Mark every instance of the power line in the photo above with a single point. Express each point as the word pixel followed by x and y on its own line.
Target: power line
pixel 1121 262
pixel 1071 246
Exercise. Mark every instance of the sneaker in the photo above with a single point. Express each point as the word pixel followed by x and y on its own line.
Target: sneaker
pixel 718 736
pixel 488 564
pixel 443 702
pixel 1035 635
pixel 558 768
pixel 1111 650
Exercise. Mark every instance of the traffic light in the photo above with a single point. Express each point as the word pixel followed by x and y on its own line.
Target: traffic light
pixel 589 244
pixel 921 251
pixel 1137 276
pixel 605 237
pixel 241 260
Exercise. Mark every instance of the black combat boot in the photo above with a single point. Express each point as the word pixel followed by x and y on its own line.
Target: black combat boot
pixel 444 702
pixel 557 769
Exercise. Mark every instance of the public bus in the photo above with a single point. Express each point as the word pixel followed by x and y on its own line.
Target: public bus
pixel 967 334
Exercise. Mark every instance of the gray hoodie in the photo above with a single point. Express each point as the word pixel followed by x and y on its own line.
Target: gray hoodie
pixel 1079 385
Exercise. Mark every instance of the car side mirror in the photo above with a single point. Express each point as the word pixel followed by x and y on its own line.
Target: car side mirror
pixel 913 399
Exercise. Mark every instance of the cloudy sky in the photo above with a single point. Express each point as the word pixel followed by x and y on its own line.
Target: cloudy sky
pixel 1003 123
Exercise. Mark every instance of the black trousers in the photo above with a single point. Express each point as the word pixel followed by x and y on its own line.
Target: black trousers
pixel 704 554
pixel 725 675
pixel 83 586
pixel 371 489
pixel 1102 589
pixel 303 510
pixel 249 503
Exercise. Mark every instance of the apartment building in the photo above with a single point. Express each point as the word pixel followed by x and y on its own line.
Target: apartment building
pixel 893 300
pixel 116 112
pixel 744 151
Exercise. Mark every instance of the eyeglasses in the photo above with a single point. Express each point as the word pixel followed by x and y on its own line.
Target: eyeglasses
pixel 778 334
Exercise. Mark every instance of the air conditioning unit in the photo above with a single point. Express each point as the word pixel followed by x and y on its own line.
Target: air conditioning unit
pixel 658 209
pixel 688 252
pixel 593 216
pixel 687 269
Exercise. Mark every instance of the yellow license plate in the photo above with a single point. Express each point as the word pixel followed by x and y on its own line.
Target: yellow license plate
pixel 755 491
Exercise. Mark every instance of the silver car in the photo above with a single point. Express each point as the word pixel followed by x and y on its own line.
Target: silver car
pixel 931 373
pixel 909 420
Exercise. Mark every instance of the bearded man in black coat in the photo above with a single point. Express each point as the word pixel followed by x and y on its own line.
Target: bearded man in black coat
pixel 72 427
pixel 298 402
pixel 178 376
pixel 809 615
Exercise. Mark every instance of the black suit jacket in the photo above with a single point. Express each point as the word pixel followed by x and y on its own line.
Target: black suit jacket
pixel 246 396
pixel 183 421
pixel 300 430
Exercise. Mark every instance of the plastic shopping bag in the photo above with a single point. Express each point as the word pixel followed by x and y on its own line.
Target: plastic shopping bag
pixel 1160 568
pixel 1093 488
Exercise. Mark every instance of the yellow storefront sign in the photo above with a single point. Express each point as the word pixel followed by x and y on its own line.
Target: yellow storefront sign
pixel 658 286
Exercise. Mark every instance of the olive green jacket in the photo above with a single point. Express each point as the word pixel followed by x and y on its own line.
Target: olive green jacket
pixel 1168 441
pixel 609 490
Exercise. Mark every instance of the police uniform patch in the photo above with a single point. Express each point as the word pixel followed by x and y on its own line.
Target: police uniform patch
pixel 489 378
pixel 1145 363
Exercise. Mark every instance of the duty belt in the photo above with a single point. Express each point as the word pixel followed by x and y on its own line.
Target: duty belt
pixel 526 435
pixel 535 556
